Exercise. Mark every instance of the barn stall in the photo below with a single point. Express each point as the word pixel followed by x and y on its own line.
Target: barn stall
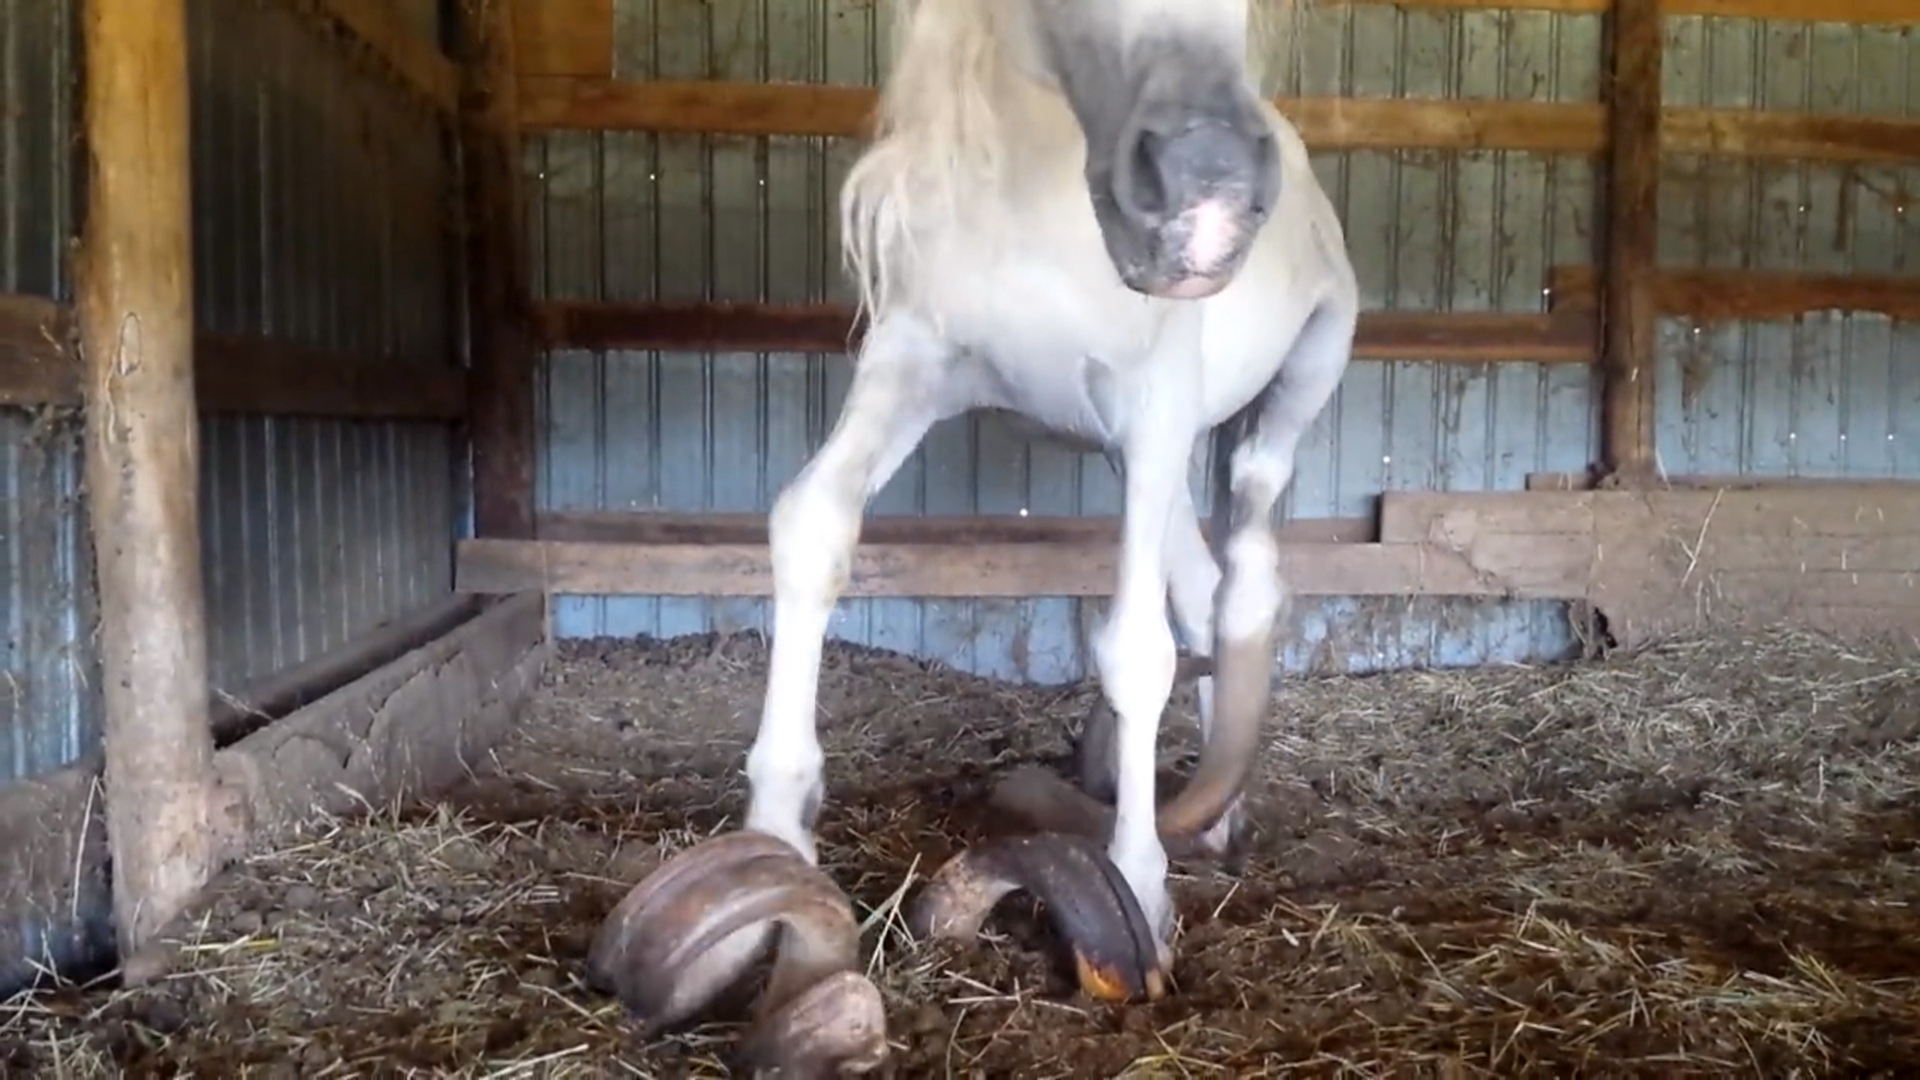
pixel 1593 746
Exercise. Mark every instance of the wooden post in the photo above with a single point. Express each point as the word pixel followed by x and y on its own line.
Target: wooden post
pixel 135 308
pixel 499 309
pixel 1631 257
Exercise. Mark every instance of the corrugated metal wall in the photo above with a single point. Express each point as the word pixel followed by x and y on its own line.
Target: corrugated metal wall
pixel 635 216
pixel 320 193
pixel 48 712
pixel 1830 395
pixel 321 196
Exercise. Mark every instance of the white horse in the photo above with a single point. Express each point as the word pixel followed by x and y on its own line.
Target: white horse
pixel 1086 213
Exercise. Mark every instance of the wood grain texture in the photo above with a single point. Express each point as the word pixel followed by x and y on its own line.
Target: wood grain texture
pixel 134 287
pixel 1631 243
pixel 505 354
pixel 556 103
pixel 1565 337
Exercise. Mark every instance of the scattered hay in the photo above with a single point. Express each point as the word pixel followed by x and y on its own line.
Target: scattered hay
pixel 1692 861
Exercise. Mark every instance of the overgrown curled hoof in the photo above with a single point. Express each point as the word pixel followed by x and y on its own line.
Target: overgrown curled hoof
pixel 1089 904
pixel 692 928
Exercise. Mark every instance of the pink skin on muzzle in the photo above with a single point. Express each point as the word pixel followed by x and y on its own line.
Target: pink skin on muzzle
pixel 1214 237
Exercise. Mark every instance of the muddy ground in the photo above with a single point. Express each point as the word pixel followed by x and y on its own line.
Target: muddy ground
pixel 1694 861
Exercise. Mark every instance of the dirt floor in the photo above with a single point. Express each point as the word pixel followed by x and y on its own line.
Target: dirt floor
pixel 1694 861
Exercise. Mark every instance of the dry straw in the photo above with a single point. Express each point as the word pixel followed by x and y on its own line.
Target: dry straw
pixel 1694 861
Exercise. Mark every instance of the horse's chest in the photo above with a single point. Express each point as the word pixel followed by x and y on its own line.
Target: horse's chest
pixel 1062 390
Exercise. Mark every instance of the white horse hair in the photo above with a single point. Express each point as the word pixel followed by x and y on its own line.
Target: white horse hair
pixel 1086 213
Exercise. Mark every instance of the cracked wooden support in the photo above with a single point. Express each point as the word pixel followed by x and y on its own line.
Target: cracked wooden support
pixel 1628 304
pixel 165 806
pixel 504 347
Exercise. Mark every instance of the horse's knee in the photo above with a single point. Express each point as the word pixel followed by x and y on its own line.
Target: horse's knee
pixel 1254 594
pixel 811 533
pixel 1136 657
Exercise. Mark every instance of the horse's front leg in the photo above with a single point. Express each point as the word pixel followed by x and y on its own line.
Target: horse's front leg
pixel 812 532
pixel 1135 654
pixel 694 926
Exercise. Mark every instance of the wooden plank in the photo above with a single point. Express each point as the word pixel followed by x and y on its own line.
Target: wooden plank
pixel 35 343
pixel 1631 245
pixel 253 376
pixel 801 109
pixel 1791 136
pixel 1882 12
pixel 1771 513
pixel 258 377
pixel 556 103
pixel 1714 296
pixel 1836 558
pixel 563 37
pixel 134 284
pixel 1565 337
pixel 235 715
pixel 409 727
pixel 505 354
pixel 660 527
pixel 1550 481
pixel 1067 569
pixel 415 61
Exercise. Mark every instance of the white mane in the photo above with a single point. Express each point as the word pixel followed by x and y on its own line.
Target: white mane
pixel 938 132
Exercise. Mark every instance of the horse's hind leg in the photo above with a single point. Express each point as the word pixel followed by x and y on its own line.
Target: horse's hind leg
pixel 1251 594
pixel 895 397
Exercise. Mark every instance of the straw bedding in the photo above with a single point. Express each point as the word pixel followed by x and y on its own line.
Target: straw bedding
pixel 1697 860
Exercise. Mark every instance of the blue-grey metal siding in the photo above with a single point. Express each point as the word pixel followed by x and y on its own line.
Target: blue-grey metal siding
pixel 636 216
pixel 322 196
pixel 320 200
pixel 48 714
pixel 1831 394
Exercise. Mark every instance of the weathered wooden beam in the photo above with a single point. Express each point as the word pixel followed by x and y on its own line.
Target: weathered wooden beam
pixel 252 376
pixel 575 37
pixel 1836 557
pixel 505 354
pixel 1632 239
pixel 1565 337
pixel 416 62
pixel 563 37
pixel 1716 296
pixel 558 103
pixel 36 362
pixel 740 108
pixel 165 813
pixel 1017 570
pixel 666 527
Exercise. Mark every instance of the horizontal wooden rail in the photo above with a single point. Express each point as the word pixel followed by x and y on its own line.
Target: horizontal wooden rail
pixel 575 37
pixel 799 109
pixel 1011 570
pixel 671 527
pixel 233 373
pixel 417 62
pixel 1838 557
pixel 1565 337
pixel 1713 296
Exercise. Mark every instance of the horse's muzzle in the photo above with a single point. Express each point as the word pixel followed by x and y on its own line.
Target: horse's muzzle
pixel 1189 194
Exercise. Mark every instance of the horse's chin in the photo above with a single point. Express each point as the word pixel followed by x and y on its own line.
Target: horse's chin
pixel 1192 288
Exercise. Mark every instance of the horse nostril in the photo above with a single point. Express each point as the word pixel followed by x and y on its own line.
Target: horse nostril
pixel 1141 187
pixel 1266 171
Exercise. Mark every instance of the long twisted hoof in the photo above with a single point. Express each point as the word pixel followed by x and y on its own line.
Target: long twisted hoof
pixel 1088 903
pixel 662 953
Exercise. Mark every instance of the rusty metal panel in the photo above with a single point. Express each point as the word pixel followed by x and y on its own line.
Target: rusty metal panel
pixel 320 195
pixel 1830 394
pixel 636 216
pixel 49 710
